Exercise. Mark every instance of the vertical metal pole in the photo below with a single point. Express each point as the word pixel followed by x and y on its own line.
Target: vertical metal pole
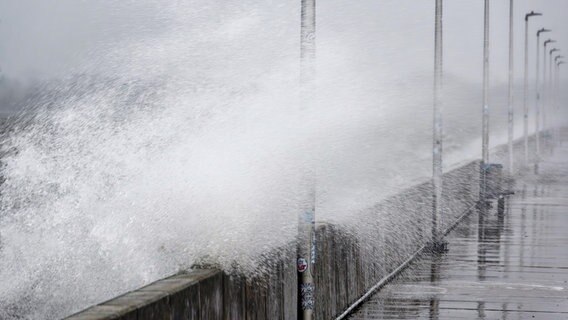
pixel 557 94
pixel 510 100
pixel 555 106
pixel 438 128
pixel 525 94
pixel 543 92
pixel 526 87
pixel 550 92
pixel 544 85
pixel 557 103
pixel 306 225
pixel 485 113
pixel 537 104
pixel 558 69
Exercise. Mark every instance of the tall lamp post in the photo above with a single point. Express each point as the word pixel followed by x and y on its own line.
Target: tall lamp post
pixel 510 113
pixel 526 87
pixel 558 64
pixel 557 95
pixel 537 105
pixel 305 259
pixel 544 88
pixel 558 75
pixel 549 89
pixel 555 79
pixel 485 112
pixel 437 243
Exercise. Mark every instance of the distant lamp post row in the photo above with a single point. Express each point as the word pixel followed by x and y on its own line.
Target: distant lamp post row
pixel 545 92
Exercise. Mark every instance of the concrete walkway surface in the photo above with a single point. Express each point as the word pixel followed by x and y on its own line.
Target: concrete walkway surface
pixel 511 264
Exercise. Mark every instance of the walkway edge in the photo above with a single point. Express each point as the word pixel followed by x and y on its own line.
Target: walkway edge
pixel 384 281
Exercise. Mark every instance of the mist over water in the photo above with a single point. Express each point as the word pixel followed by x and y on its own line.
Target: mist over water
pixel 182 135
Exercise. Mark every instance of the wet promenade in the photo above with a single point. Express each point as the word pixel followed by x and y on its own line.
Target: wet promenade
pixel 505 264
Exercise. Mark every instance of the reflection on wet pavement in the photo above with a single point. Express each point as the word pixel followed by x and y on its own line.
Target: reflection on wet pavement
pixel 507 263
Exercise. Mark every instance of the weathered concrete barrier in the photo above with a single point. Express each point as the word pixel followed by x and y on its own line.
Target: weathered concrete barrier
pixel 195 295
pixel 205 294
pixel 350 260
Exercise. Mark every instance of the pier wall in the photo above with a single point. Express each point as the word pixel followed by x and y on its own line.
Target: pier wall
pixel 350 259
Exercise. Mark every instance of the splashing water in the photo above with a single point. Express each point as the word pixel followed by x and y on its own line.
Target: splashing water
pixel 189 141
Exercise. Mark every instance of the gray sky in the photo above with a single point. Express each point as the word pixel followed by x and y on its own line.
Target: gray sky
pixel 47 38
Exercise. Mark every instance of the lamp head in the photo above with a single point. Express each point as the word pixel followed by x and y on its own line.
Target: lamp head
pixel 549 41
pixel 532 14
pixel 554 50
pixel 541 31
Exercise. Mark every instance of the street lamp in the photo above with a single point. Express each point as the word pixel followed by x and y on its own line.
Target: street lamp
pixel 544 88
pixel 555 87
pixel 547 86
pixel 485 112
pixel 548 41
pixel 437 242
pixel 544 72
pixel 526 86
pixel 510 109
pixel 557 95
pixel 537 106
pixel 305 259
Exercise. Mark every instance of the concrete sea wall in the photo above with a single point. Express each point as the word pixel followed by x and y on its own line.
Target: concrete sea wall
pixel 350 260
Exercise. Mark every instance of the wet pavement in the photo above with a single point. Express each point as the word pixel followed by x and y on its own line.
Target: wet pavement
pixel 504 264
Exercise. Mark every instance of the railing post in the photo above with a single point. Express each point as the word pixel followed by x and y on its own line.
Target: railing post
pixel 306 250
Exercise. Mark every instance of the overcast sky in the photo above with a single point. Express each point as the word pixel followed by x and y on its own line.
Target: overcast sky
pixel 50 38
